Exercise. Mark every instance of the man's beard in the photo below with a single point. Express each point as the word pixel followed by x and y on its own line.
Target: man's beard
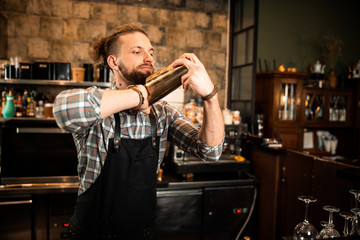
pixel 133 75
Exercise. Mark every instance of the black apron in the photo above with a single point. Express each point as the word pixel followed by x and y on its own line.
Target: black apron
pixel 121 204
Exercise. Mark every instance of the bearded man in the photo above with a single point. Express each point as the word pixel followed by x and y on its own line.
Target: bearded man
pixel 121 140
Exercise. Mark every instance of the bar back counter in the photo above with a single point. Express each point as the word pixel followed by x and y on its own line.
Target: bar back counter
pixel 196 200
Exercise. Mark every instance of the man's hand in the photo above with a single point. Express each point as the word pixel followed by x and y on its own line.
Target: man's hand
pixel 196 77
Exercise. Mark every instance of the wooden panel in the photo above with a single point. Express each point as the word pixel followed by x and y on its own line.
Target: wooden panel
pixel 266 163
pixel 297 180
pixel 290 137
pixel 330 189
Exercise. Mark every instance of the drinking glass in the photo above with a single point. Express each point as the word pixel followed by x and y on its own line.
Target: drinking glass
pixel 328 230
pixel 347 216
pixel 305 230
pixel 356 194
pixel 355 230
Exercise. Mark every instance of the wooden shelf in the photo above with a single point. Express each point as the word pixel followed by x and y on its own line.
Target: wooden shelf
pixel 53 83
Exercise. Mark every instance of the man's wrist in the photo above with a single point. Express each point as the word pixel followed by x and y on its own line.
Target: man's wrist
pixel 141 96
pixel 212 94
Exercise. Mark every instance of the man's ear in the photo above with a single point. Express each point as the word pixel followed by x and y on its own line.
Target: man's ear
pixel 111 60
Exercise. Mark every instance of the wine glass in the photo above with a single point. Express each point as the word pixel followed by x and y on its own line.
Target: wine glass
pixel 355 227
pixel 305 230
pixel 356 194
pixel 328 230
pixel 347 216
pixel 355 230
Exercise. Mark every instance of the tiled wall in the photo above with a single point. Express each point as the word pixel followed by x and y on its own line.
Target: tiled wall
pixel 63 30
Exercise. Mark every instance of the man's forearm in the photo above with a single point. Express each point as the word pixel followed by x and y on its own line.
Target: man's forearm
pixel 212 128
pixel 114 101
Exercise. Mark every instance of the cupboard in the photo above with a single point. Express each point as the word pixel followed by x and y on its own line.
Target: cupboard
pixel 278 96
pixel 302 116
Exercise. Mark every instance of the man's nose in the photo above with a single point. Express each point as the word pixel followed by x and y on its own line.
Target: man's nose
pixel 148 58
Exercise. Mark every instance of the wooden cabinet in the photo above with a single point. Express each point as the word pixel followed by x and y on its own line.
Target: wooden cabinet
pixel 294 112
pixel 278 97
pixel 284 175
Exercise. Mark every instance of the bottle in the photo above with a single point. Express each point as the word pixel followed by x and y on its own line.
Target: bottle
pixel 40 113
pixel 260 125
pixel 164 82
pixel 31 107
pixel 18 107
pixel 190 110
pixel 12 69
pixel 9 108
pixel 3 99
pixel 199 110
pixel 307 108
pixel 24 102
pixel 236 117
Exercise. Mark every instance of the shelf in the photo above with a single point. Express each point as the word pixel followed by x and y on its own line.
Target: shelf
pixel 53 83
pixel 28 121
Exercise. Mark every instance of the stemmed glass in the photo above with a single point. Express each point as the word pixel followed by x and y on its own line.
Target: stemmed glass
pixel 356 194
pixel 355 227
pixel 355 230
pixel 305 230
pixel 329 231
pixel 347 216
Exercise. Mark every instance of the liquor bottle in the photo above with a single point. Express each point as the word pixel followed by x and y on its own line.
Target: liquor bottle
pixel 25 102
pixel 19 107
pixel 40 113
pixel 3 98
pixel 31 107
pixel 190 110
pixel 9 108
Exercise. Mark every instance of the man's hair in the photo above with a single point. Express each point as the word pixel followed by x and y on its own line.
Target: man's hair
pixel 106 46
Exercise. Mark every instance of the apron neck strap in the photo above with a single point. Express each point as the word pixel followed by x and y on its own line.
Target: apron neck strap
pixel 117 135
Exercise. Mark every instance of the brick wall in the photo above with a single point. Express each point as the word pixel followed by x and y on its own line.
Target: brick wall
pixel 63 30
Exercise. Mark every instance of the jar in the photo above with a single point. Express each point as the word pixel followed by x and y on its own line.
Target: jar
pixel 228 118
pixel 236 117
pixel 48 109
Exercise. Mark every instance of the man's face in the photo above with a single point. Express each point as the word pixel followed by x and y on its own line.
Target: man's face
pixel 136 61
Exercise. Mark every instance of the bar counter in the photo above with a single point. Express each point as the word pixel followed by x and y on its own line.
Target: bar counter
pixel 170 181
pixel 206 205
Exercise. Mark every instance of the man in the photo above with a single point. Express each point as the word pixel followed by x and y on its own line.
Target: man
pixel 121 140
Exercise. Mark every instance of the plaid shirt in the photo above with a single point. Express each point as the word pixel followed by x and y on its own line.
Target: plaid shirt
pixel 78 111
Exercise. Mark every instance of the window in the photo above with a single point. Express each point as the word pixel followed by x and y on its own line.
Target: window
pixel 242 58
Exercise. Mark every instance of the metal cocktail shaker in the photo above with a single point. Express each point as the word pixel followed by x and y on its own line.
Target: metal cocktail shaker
pixel 164 82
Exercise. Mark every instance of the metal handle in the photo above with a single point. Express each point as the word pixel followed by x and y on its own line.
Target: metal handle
pixel 179 193
pixel 41 130
pixel 16 202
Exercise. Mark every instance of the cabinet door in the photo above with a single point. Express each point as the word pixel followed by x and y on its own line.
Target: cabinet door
pixel 15 219
pixel 226 210
pixel 179 214
pixel 327 108
pixel 287 107
pixel 339 108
